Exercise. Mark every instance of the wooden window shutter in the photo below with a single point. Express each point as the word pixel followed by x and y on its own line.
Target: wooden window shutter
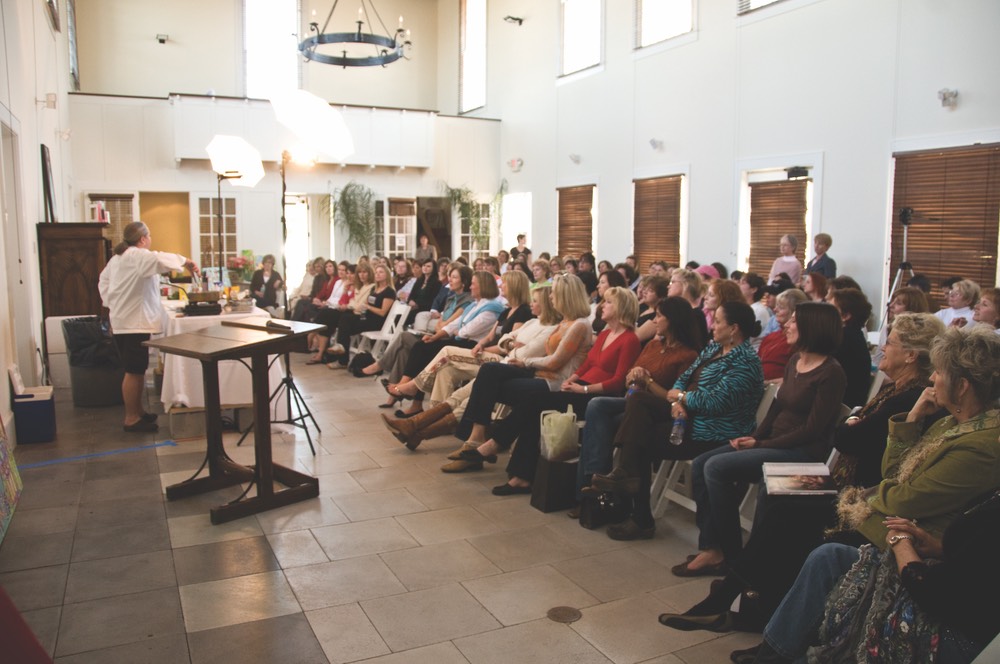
pixel 776 209
pixel 954 196
pixel 576 224
pixel 119 207
pixel 657 223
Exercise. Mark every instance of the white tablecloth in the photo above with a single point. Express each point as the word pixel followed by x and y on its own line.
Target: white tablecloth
pixel 182 381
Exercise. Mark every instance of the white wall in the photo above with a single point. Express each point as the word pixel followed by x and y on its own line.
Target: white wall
pixel 848 80
pixel 128 145
pixel 120 55
pixel 32 56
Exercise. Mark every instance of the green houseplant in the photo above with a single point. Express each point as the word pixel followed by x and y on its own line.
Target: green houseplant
pixel 354 214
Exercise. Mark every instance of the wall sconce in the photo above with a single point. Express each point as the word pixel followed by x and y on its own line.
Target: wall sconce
pixel 575 158
pixel 656 144
pixel 949 98
pixel 162 38
pixel 515 164
pixel 514 19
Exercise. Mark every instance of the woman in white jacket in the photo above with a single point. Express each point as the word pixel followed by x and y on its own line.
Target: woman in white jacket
pixel 129 287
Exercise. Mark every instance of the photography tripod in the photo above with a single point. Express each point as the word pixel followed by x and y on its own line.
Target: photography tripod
pixel 905 218
pixel 287 384
pixel 292 395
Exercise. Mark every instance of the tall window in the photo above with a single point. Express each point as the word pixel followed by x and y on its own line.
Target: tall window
pixel 401 227
pixel 952 198
pixel 581 35
pixel 208 233
pixel 659 20
pixel 657 225
pixel 270 46
pixel 576 221
pixel 472 61
pixel 776 209
pixel 468 242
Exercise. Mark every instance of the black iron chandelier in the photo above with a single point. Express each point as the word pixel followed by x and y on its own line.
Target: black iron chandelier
pixel 387 48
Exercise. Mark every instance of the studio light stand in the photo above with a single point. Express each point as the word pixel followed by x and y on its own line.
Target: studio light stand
pixel 905 219
pixel 287 384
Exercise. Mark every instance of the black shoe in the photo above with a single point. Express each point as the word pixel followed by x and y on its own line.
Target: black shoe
pixel 141 426
pixel 744 656
pixel 630 530
pixel 722 622
pixel 510 490
pixel 474 456
pixel 616 481
pixel 149 417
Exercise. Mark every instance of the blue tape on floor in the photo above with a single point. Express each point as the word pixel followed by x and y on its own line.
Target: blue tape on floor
pixel 40 464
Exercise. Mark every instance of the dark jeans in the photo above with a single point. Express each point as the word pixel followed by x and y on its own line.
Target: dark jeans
pixel 717 477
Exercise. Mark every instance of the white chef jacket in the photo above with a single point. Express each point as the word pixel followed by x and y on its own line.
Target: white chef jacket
pixel 129 287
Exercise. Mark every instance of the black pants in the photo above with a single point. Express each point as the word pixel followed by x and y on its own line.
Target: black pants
pixel 498 383
pixel 350 324
pixel 422 353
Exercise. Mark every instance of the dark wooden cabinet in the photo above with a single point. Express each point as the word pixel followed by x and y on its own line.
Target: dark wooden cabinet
pixel 71 257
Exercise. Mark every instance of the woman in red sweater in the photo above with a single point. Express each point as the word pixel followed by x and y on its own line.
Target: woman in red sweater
pixel 774 349
pixel 603 373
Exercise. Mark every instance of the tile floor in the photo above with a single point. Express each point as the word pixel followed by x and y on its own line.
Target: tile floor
pixel 394 562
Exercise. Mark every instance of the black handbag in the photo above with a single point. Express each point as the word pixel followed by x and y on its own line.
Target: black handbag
pixel 600 509
pixel 359 362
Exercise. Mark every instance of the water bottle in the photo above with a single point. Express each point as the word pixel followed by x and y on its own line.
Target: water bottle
pixel 633 387
pixel 677 432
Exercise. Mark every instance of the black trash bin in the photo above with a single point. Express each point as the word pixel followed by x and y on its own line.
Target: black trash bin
pixel 95 368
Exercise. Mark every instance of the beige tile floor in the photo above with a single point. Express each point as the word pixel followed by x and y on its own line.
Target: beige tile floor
pixel 393 562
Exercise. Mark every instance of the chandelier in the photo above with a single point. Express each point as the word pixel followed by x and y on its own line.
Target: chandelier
pixel 387 48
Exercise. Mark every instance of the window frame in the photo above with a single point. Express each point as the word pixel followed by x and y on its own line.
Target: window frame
pixel 227 251
pixel 570 221
pixel 649 237
pixel 596 66
pixel 934 204
pixel 462 46
pixel 637 36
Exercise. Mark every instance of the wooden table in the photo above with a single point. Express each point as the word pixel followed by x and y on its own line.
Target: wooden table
pixel 253 338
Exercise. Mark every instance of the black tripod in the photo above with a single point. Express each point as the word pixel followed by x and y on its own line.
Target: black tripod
pixel 292 393
pixel 905 218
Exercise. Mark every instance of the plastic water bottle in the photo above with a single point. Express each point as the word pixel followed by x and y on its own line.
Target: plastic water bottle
pixel 633 387
pixel 677 432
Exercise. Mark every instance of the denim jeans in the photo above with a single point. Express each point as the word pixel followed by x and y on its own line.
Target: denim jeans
pixel 601 421
pixel 792 626
pixel 715 476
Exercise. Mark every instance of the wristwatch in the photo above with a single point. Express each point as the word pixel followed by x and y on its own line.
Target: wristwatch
pixel 895 539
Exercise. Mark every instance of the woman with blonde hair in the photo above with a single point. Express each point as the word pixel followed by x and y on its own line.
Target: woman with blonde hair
pixel 962 296
pixel 566 348
pixel 369 315
pixel 603 372
pixel 443 376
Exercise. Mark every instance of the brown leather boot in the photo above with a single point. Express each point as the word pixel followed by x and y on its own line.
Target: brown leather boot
pixel 445 425
pixel 404 428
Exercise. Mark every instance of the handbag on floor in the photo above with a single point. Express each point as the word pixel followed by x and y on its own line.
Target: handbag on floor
pixel 560 437
pixel 600 509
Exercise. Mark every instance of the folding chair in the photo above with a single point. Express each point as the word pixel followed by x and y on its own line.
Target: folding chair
pixel 375 341
pixel 673 489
